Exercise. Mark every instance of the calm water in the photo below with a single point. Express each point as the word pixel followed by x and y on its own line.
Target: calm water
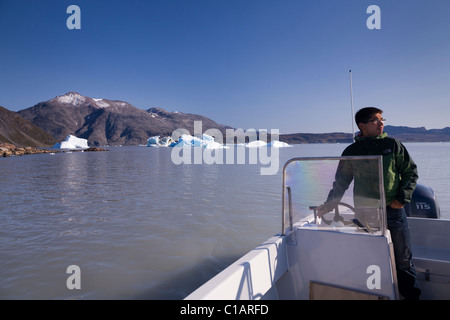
pixel 141 227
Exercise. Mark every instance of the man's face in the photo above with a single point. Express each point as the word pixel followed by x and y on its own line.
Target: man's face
pixel 374 127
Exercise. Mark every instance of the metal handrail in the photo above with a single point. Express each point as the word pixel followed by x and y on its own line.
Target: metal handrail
pixel 284 187
pixel 291 218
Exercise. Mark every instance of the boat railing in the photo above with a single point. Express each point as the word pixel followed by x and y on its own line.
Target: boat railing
pixel 355 182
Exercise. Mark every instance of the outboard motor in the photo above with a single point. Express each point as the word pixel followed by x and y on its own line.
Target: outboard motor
pixel 423 204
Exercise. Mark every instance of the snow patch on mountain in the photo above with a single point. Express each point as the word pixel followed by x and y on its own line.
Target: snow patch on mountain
pixel 101 103
pixel 71 98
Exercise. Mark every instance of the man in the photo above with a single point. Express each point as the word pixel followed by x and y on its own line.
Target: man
pixel 400 176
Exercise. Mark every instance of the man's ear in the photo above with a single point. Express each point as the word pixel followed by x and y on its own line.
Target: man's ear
pixel 361 129
pixel 358 126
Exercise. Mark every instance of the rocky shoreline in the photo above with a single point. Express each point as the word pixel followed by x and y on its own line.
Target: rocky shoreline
pixel 8 149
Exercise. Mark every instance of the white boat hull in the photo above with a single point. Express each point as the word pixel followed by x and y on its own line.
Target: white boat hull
pixel 324 264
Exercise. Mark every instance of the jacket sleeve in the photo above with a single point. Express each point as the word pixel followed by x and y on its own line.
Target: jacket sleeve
pixel 408 174
pixel 343 178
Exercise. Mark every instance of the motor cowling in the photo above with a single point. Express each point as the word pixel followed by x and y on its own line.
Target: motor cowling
pixel 423 204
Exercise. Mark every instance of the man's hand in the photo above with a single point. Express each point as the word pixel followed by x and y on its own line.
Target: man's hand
pixel 323 209
pixel 396 204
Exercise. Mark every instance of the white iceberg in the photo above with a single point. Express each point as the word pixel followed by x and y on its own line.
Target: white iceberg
pixel 278 144
pixel 186 140
pixel 273 144
pixel 256 144
pixel 72 142
pixel 155 141
pixel 206 142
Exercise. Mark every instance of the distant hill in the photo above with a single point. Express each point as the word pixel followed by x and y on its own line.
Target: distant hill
pixel 407 134
pixel 108 122
pixel 298 138
pixel 18 131
pixel 404 134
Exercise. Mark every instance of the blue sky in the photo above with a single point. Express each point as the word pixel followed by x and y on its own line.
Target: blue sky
pixel 260 64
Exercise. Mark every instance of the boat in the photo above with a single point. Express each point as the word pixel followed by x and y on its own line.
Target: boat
pixel 348 253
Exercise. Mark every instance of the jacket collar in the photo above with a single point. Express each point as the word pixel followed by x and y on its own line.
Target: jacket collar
pixel 361 138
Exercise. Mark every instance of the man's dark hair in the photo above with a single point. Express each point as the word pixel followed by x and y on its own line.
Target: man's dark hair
pixel 363 115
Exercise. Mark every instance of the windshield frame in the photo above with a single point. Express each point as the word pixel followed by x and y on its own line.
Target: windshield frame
pixel 285 189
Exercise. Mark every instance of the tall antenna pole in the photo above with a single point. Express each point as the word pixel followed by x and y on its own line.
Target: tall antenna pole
pixel 351 99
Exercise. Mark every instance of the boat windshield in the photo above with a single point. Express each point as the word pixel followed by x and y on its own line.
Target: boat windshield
pixel 349 189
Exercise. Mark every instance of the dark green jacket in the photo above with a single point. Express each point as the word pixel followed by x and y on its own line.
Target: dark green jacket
pixel 399 170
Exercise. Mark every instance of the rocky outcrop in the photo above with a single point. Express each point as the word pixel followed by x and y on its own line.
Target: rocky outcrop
pixel 8 149
pixel 95 149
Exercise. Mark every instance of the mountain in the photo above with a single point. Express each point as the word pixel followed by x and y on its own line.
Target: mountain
pixel 112 122
pixel 108 122
pixel 18 131
pixel 404 134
